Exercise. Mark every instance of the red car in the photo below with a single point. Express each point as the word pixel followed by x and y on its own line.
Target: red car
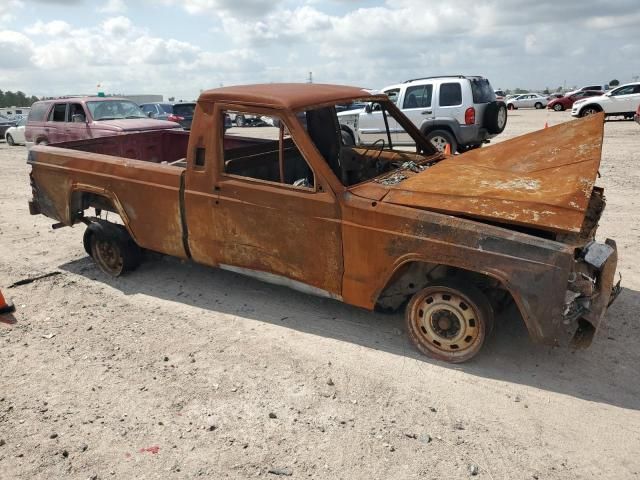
pixel 636 117
pixel 78 118
pixel 564 103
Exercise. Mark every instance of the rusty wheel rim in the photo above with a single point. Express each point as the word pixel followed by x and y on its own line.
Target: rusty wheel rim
pixel 439 142
pixel 447 323
pixel 108 257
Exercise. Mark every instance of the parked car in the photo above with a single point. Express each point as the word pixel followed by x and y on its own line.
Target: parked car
pixel 623 100
pixel 77 118
pixel 553 96
pixel 500 94
pixel 181 112
pixel 15 135
pixel 5 124
pixel 637 115
pixel 563 103
pixel 527 100
pixel 456 242
pixel 456 110
pixel 602 87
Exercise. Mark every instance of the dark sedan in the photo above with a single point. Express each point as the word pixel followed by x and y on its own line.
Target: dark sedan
pixel 181 112
pixel 5 124
pixel 565 103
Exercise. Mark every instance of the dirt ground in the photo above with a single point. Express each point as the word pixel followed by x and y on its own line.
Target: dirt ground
pixel 181 371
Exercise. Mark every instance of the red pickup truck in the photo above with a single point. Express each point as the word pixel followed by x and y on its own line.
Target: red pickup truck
pixel 452 239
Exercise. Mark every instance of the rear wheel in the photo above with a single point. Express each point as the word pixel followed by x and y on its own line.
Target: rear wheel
pixel 240 120
pixel 10 140
pixel 440 138
pixel 347 138
pixel 449 321
pixel 538 105
pixel 558 107
pixel 112 248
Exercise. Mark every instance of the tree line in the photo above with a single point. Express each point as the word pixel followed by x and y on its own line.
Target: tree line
pixel 16 99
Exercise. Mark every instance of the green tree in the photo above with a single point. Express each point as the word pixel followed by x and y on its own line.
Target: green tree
pixel 614 83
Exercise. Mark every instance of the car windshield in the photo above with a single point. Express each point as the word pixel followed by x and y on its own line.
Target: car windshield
pixel 114 109
pixel 482 91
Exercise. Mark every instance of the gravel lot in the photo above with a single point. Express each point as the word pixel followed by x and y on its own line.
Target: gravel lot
pixel 181 371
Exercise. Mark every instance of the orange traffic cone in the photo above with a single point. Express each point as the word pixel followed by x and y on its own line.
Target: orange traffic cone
pixel 546 124
pixel 447 149
pixel 5 306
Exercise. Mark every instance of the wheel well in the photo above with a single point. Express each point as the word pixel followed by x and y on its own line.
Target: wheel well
pixel 592 105
pixel 414 276
pixel 344 128
pixel 433 128
pixel 81 201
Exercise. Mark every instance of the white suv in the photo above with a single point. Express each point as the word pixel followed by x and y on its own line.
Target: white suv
pixel 456 110
pixel 623 100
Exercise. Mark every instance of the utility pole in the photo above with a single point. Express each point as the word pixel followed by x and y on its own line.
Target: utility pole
pixel 310 77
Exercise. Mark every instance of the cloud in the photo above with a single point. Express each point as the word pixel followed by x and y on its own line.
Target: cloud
pixel 113 6
pixel 15 48
pixel 53 28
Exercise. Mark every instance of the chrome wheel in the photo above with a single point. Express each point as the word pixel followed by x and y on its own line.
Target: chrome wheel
pixel 439 142
pixel 558 107
pixel 502 118
pixel 447 323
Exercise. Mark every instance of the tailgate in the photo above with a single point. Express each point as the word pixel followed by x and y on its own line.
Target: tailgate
pixel 543 179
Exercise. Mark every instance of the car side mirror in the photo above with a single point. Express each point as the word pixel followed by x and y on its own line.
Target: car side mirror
pixel 78 118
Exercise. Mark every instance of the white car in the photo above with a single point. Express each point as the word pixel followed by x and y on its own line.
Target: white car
pixel 623 100
pixel 15 135
pixel 527 100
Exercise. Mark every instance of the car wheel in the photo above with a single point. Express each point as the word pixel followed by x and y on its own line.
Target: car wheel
pixel 240 120
pixel 347 138
pixel 511 106
pixel 10 140
pixel 589 110
pixel 558 107
pixel 440 138
pixel 112 248
pixel 538 105
pixel 449 321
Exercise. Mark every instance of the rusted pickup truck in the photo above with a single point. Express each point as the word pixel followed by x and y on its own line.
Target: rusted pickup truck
pixel 454 238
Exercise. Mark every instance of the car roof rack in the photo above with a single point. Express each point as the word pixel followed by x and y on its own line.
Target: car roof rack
pixel 442 76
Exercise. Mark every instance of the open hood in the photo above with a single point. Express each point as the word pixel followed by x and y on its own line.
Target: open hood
pixel 543 179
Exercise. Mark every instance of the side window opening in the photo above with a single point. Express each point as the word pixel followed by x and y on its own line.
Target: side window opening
pixel 418 96
pixel 263 149
pixel 76 113
pixel 58 113
pixel 393 94
pixel 450 95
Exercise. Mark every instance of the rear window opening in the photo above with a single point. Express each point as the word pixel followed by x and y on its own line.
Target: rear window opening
pixel 184 109
pixel 482 91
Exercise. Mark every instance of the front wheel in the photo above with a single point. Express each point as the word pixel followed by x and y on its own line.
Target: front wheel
pixel 112 248
pixel 10 140
pixel 440 138
pixel 589 111
pixel 558 107
pixel 449 321
pixel 511 106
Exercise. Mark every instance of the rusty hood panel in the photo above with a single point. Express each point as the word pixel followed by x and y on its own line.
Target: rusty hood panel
pixel 543 179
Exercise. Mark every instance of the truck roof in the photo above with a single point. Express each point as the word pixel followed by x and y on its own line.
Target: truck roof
pixel 290 96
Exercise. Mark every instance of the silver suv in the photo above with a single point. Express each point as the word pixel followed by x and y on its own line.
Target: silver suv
pixel 457 110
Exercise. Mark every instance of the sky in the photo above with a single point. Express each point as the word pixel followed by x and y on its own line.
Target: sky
pixel 181 47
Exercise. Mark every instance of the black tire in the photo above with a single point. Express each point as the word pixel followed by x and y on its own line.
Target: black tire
pixel 10 140
pixel 538 105
pixel 558 107
pixel 112 248
pixel 590 110
pixel 347 138
pixel 449 321
pixel 240 120
pixel 495 117
pixel 439 138
pixel 511 106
